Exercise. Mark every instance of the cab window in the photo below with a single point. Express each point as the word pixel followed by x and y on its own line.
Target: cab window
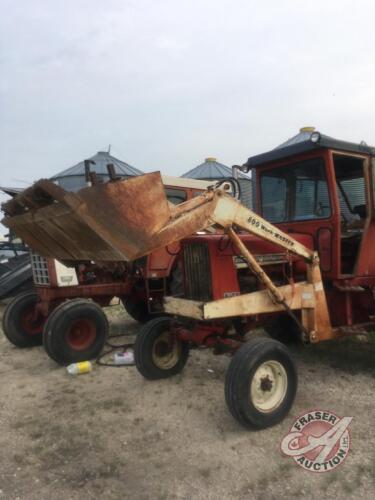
pixel 295 192
pixel 350 187
pixel 175 196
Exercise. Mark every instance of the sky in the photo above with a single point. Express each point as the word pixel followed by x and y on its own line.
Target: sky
pixel 169 83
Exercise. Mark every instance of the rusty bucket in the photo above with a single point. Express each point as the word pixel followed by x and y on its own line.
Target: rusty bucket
pixel 106 222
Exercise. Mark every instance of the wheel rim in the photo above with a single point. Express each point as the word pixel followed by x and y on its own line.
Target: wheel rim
pixel 31 322
pixel 268 386
pixel 81 334
pixel 166 351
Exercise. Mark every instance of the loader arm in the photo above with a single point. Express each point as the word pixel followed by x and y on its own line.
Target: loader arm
pixel 128 219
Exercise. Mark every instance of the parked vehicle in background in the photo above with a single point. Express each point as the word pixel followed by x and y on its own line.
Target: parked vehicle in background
pixel 15 269
pixel 79 292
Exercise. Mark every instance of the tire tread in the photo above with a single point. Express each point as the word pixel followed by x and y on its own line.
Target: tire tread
pixel 13 336
pixel 143 347
pixel 256 348
pixel 53 323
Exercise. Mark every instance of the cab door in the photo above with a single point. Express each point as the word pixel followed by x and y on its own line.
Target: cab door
pixel 297 196
pixel 354 180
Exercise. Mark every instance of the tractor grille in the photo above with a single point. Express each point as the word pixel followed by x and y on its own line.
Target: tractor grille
pixel 40 269
pixel 198 284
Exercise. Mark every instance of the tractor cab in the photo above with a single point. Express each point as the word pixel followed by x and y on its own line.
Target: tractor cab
pixel 322 188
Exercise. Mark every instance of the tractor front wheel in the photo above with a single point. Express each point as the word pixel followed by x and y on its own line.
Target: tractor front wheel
pixel 75 331
pixel 261 383
pixel 157 352
pixel 22 324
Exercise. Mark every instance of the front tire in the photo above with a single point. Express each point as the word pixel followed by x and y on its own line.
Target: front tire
pixel 261 383
pixel 22 324
pixel 157 352
pixel 75 331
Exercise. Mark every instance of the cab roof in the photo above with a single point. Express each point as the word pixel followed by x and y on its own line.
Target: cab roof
pixel 315 141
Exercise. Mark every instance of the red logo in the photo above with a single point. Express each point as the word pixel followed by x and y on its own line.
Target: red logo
pixel 318 441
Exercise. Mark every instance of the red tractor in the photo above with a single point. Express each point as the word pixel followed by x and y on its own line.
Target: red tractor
pixel 66 302
pixel 310 275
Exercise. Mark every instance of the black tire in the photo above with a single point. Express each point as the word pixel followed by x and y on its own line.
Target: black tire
pixel 75 331
pixel 20 326
pixel 46 328
pixel 153 357
pixel 283 329
pixel 137 309
pixel 240 376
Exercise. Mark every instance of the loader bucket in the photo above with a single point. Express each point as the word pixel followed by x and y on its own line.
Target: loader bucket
pixel 106 222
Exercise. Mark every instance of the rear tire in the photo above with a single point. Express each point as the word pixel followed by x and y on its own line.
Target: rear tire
pixel 137 309
pixel 283 329
pixel 75 331
pixel 261 383
pixel 20 325
pixel 157 353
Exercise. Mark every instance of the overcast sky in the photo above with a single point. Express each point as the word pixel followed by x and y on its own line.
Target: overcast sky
pixel 168 83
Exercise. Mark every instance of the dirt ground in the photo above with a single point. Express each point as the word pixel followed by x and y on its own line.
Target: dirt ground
pixel 112 434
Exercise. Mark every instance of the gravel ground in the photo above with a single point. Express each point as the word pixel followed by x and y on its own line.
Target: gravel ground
pixel 112 434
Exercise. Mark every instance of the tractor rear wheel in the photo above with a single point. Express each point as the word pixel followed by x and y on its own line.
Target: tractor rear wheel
pixel 157 352
pixel 283 329
pixel 137 309
pixel 261 383
pixel 75 331
pixel 22 324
